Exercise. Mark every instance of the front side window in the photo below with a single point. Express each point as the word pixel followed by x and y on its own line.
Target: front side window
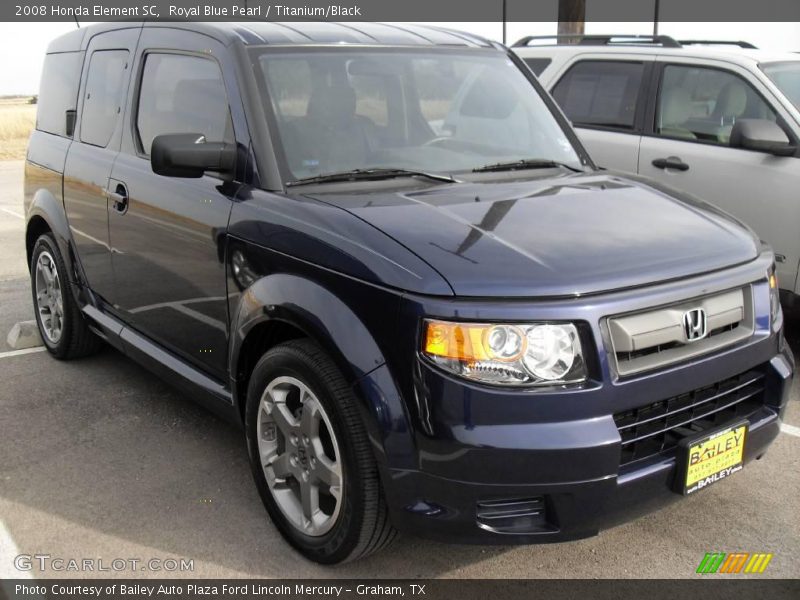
pixel 440 111
pixel 785 75
pixel 182 94
pixel 102 102
pixel 703 104
pixel 601 93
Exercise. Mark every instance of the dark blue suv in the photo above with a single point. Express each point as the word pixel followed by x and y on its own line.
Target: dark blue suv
pixel 384 253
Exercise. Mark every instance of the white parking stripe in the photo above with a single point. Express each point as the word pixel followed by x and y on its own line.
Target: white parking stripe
pixel 12 213
pixel 11 353
pixel 8 552
pixel 790 429
pixel 198 316
pixel 96 241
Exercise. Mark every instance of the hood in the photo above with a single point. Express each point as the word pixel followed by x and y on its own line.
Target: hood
pixel 571 235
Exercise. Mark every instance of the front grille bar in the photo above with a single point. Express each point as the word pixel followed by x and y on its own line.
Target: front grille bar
pixel 691 419
pixel 658 427
pixel 668 414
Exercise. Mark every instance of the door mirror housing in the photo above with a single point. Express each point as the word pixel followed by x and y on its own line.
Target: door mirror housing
pixel 761 135
pixel 190 155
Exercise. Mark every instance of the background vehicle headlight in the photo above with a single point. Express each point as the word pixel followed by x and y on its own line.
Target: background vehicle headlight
pixel 506 354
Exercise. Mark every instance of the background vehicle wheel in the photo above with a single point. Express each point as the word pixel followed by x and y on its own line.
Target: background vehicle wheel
pixel 61 324
pixel 311 458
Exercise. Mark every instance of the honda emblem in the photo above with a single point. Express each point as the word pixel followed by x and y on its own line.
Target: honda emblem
pixel 695 324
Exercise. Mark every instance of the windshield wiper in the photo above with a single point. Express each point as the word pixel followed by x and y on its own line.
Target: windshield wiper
pixel 525 163
pixel 372 174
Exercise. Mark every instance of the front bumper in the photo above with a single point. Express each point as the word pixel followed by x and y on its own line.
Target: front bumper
pixel 554 457
pixel 560 491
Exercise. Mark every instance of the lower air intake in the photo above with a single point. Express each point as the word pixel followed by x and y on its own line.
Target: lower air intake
pixel 520 515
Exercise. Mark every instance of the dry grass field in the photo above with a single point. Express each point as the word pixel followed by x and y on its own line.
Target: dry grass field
pixel 17 119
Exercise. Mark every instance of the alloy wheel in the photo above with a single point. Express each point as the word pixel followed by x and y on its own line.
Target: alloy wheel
pixel 300 456
pixel 49 297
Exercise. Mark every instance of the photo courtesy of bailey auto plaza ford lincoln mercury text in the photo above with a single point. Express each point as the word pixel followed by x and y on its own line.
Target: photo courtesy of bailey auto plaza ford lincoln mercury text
pixel 414 299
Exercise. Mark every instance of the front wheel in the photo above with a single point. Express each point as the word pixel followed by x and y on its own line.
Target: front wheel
pixel 311 458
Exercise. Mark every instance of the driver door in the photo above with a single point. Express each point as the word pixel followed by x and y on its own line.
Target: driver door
pixel 689 149
pixel 168 232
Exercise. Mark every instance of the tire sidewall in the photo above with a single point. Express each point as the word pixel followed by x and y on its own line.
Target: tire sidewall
pixel 337 544
pixel 46 242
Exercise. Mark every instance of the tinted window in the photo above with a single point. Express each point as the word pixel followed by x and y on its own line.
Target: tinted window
pixel 182 94
pixel 703 104
pixel 537 65
pixel 600 93
pixel 102 102
pixel 58 91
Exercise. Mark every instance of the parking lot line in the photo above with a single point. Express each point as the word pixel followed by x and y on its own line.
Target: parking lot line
pixel 790 429
pixel 8 552
pixel 11 353
pixel 12 213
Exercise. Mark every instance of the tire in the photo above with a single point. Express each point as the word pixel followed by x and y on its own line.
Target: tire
pixel 71 336
pixel 293 386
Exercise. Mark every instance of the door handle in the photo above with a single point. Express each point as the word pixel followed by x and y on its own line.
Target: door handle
pixel 672 162
pixel 119 198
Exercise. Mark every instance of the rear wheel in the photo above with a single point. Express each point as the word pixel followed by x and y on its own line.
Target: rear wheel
pixel 311 458
pixel 61 324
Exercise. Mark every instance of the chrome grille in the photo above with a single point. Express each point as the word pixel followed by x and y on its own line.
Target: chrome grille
pixel 657 427
pixel 656 338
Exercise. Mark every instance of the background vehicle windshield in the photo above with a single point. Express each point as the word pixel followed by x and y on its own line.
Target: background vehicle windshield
pixel 440 111
pixel 786 75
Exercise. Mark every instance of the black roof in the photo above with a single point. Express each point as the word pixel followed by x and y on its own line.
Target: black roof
pixel 304 32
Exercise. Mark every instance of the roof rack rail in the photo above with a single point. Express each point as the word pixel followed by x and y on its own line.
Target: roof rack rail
pixel 740 43
pixel 602 40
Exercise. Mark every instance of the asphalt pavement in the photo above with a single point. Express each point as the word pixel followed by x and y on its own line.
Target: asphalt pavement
pixel 101 460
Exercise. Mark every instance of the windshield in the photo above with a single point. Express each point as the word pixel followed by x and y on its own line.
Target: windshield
pixel 438 111
pixel 785 75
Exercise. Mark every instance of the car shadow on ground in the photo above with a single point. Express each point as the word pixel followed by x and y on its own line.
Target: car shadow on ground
pixel 111 447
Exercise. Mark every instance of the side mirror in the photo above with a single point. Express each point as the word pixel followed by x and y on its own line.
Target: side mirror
pixel 761 135
pixel 190 155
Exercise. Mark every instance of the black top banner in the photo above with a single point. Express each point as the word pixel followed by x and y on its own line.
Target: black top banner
pixel 403 10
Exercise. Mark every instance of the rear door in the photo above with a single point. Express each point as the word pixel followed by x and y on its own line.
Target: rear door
pixel 98 131
pixel 170 235
pixel 605 98
pixel 687 146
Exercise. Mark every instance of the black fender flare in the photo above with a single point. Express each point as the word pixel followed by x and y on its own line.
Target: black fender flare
pixel 325 318
pixel 43 205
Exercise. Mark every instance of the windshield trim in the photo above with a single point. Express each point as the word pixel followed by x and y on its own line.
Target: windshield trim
pixel 275 147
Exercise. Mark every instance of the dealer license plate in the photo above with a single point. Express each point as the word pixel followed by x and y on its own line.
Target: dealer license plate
pixel 710 458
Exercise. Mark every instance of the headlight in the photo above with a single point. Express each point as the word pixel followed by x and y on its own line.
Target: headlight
pixel 774 297
pixel 506 354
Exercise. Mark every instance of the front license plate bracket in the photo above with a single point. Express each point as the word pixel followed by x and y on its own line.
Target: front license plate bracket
pixel 709 457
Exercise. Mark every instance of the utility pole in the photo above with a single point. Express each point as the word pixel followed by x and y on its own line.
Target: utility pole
pixel 655 18
pixel 571 16
pixel 505 16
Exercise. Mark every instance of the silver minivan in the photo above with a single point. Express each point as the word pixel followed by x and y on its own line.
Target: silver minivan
pixel 720 120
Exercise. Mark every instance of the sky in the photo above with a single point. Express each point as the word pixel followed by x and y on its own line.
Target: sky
pixel 23 44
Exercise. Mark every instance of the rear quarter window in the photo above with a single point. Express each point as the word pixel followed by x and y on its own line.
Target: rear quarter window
pixel 600 93
pixel 537 65
pixel 58 92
